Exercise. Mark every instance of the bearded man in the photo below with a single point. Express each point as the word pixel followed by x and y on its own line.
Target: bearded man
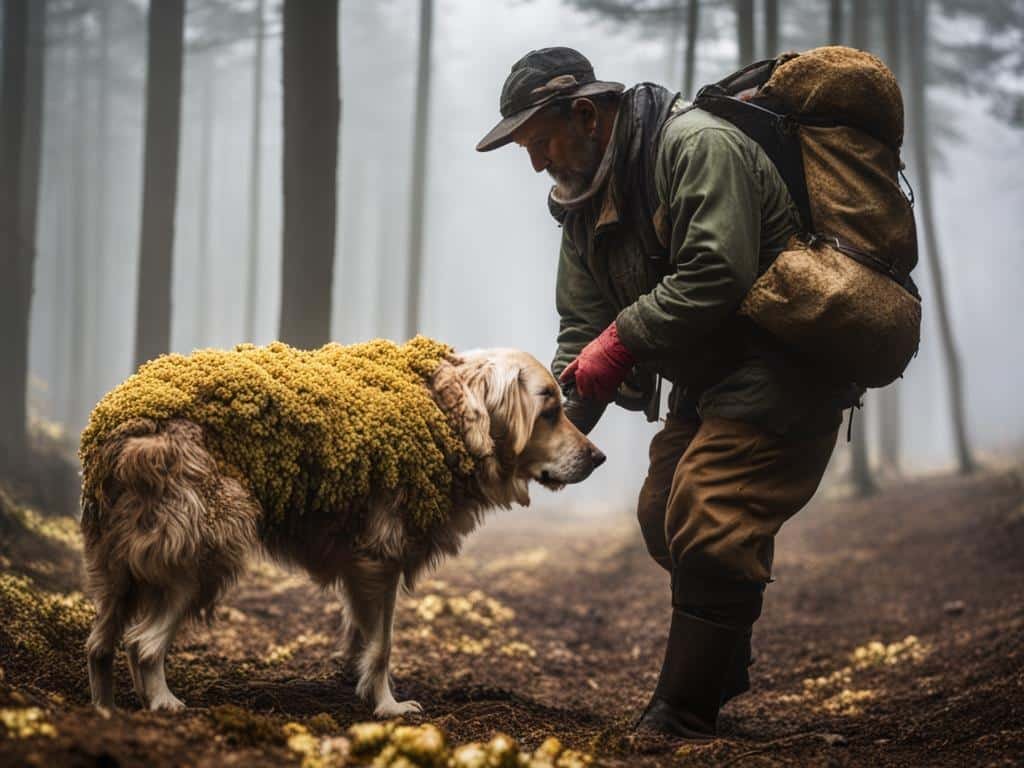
pixel 668 216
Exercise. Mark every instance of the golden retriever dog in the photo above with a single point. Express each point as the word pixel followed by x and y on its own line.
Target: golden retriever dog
pixel 156 555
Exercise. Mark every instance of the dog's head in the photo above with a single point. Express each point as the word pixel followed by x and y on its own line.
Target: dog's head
pixel 517 425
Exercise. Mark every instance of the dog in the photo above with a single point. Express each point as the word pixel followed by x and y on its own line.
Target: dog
pixel 156 557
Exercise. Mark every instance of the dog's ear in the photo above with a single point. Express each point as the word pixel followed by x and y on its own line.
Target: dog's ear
pixel 476 429
pixel 462 396
pixel 513 405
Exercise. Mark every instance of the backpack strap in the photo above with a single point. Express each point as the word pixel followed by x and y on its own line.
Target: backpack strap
pixel 776 133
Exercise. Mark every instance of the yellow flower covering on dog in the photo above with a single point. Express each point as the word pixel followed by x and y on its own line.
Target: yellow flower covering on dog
pixel 302 429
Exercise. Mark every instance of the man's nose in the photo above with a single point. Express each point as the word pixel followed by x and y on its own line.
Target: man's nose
pixel 538 158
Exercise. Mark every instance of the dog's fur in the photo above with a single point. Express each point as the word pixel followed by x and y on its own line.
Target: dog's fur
pixel 170 532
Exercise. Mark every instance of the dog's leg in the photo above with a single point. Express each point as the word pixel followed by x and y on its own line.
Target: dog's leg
pixel 372 590
pixel 353 643
pixel 132 652
pixel 152 636
pixel 99 648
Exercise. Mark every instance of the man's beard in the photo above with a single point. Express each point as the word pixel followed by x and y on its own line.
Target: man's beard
pixel 573 182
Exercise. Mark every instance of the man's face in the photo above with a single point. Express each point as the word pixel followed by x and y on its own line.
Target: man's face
pixel 565 145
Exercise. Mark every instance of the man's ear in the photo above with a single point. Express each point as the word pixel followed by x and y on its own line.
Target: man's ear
pixel 585 111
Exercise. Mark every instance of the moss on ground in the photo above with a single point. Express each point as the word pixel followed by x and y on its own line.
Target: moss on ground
pixel 45 632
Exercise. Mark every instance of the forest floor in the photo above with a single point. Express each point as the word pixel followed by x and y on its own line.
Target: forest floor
pixel 894 635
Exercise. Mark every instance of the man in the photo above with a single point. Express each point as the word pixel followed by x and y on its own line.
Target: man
pixel 669 214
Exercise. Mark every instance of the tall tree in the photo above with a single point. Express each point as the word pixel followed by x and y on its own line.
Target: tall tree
pixel 690 55
pixel 208 68
pixel 385 261
pixel 771 28
pixel 861 478
pixel 82 278
pixel 860 24
pixel 918 50
pixel 311 119
pixel 894 38
pixel 17 236
pixel 255 176
pixel 64 241
pixel 419 171
pixel 988 64
pixel 102 266
pixel 160 177
pixel 860 467
pixel 889 400
pixel 745 30
pixel 835 22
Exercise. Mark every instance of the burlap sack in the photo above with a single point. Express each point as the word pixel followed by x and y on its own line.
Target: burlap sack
pixel 860 322
pixel 854 194
pixel 835 81
pixel 834 310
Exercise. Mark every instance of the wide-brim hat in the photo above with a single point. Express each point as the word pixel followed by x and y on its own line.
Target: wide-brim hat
pixel 538 79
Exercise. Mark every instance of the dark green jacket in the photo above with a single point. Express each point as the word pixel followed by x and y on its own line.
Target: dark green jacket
pixel 723 214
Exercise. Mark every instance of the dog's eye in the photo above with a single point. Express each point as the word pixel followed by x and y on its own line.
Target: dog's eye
pixel 551 414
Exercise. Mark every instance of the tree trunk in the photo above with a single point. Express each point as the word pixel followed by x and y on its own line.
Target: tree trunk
pixel 690 60
pixel 893 38
pixel 81 280
pixel 889 432
pixel 889 399
pixel 745 30
pixel 419 172
pixel 835 22
pixel 32 148
pixel 209 74
pixel 160 178
pixel 311 121
pixel 385 261
pixel 17 251
pixel 860 19
pixel 255 179
pixel 918 84
pixel 860 468
pixel 32 138
pixel 771 28
pixel 65 140
pixel 102 266
pixel 675 30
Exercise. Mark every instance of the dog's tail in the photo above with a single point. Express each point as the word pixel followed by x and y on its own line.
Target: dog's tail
pixel 152 507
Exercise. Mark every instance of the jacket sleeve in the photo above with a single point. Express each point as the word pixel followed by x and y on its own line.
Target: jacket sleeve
pixel 583 313
pixel 713 197
pixel 582 309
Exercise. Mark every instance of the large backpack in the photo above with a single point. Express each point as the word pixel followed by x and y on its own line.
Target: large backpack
pixel 831 120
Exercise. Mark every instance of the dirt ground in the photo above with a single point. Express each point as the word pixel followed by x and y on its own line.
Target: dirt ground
pixel 894 635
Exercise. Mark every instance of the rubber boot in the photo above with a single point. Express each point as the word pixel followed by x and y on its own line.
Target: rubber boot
pixel 737 681
pixel 697 663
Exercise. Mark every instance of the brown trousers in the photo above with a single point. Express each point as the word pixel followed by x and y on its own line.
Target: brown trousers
pixel 717 491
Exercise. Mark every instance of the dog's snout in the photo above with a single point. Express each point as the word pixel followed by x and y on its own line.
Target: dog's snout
pixel 596 456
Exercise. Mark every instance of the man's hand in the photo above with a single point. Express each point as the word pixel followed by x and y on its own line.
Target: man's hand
pixel 601 367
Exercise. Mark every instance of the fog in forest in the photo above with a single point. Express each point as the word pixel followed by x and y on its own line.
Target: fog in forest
pixel 490 247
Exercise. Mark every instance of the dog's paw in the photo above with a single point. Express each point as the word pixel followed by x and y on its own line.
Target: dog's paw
pixel 166 702
pixel 397 709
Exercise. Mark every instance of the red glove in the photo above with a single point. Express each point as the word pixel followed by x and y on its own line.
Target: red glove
pixel 600 367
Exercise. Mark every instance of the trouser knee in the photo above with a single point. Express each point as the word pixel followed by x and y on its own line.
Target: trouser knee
pixel 650 513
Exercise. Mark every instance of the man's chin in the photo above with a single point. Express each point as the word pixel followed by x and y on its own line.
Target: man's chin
pixel 569 189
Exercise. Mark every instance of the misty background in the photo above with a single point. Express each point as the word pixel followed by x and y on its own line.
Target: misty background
pixel 489 247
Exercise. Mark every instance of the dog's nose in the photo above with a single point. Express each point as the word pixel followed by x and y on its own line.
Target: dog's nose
pixel 597 457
